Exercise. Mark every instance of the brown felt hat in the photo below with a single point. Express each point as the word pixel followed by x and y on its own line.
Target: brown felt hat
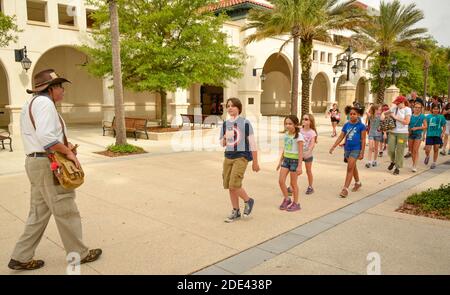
pixel 44 79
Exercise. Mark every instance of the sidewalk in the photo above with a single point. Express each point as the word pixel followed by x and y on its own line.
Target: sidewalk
pixel 163 212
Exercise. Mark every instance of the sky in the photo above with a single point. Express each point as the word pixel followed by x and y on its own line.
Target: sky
pixel 437 16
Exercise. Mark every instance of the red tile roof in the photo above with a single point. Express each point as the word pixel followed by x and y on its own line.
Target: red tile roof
pixel 229 3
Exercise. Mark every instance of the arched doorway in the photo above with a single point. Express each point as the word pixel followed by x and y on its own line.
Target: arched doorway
pixel 211 99
pixel 360 95
pixel 319 94
pixel 84 96
pixel 276 98
pixel 4 98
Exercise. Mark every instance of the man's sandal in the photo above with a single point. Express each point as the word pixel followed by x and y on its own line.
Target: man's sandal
pixel 93 255
pixel 30 265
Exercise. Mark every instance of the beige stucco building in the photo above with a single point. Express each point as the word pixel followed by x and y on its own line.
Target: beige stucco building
pixel 52 29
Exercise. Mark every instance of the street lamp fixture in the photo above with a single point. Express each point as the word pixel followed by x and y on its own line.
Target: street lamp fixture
pixel 394 72
pixel 21 56
pixel 262 76
pixel 345 61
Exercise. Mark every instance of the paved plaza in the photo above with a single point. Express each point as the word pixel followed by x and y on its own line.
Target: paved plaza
pixel 162 213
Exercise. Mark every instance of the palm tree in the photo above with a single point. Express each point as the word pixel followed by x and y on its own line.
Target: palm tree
pixel 392 31
pixel 121 137
pixel 303 21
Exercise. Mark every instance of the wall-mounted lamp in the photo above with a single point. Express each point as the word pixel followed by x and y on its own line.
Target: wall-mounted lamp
pixel 21 56
pixel 262 77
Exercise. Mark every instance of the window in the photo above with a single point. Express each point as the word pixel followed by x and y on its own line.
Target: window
pixel 315 55
pixel 37 11
pixel 330 58
pixel 66 15
pixel 322 56
pixel 89 19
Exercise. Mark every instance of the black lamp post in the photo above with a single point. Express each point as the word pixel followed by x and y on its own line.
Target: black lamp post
pixel 344 62
pixel 21 56
pixel 394 71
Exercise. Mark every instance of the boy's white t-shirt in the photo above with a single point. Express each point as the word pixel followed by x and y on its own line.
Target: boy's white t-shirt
pixel 401 113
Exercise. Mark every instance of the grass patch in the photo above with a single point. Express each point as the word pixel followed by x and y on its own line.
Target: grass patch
pixel 432 202
pixel 124 148
pixel 121 150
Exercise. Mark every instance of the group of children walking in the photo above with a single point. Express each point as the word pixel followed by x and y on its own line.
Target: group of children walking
pixel 300 138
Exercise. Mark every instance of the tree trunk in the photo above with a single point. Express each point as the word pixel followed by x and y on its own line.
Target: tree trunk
pixel 382 84
pixel 295 74
pixel 121 136
pixel 426 70
pixel 306 47
pixel 163 95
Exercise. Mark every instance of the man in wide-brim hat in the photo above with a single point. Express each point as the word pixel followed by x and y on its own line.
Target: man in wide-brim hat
pixel 43 131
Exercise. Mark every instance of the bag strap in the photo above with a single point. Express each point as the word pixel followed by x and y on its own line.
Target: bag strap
pixel 347 134
pixel 60 121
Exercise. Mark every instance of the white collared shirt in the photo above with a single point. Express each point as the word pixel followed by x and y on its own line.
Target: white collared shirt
pixel 48 130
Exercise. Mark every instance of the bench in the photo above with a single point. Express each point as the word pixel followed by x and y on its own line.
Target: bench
pixel 202 120
pixel 5 135
pixel 131 125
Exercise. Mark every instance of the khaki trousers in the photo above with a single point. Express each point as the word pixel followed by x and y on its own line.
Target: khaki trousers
pixel 47 199
pixel 396 147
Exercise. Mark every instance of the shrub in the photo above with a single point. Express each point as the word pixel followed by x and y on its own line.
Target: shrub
pixel 437 200
pixel 124 148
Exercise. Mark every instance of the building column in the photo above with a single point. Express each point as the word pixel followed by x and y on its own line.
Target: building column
pixel 391 93
pixel 346 94
pixel 108 100
pixel 178 106
pixel 251 103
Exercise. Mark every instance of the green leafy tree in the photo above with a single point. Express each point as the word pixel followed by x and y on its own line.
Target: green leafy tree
pixel 8 28
pixel 393 30
pixel 439 71
pixel 405 62
pixel 165 45
pixel 303 21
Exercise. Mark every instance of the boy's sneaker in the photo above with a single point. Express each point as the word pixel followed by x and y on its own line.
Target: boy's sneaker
pixel 235 214
pixel 285 204
pixel 427 159
pixel 391 166
pixel 433 165
pixel 396 171
pixel 293 207
pixel 374 164
pixel 309 190
pixel 248 207
pixel 368 165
